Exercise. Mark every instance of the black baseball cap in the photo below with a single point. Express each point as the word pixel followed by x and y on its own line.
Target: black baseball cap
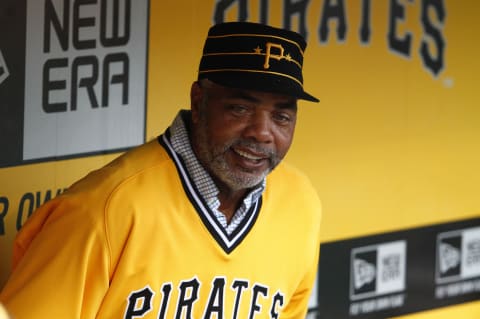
pixel 255 56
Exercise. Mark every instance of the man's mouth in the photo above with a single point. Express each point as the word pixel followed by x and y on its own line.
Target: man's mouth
pixel 251 158
pixel 249 155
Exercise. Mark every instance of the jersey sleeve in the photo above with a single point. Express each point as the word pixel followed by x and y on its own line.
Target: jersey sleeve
pixel 60 263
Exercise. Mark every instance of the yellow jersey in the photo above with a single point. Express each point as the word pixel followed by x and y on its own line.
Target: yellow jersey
pixel 135 240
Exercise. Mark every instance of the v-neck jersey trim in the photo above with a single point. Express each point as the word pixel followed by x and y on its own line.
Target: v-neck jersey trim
pixel 228 242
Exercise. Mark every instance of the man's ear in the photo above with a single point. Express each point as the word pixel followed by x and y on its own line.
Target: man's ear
pixel 196 95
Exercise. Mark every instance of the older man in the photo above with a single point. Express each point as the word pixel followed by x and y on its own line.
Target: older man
pixel 204 222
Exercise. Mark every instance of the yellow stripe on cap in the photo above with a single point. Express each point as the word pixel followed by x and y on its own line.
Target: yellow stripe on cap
pixel 289 58
pixel 252 71
pixel 257 35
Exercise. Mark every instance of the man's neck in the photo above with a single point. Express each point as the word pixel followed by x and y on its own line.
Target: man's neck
pixel 230 200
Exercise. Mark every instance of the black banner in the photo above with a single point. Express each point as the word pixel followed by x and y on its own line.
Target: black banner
pixel 398 273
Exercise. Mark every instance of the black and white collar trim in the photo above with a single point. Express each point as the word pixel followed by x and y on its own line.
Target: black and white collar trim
pixel 228 242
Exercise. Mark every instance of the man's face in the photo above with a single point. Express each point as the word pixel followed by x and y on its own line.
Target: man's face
pixel 241 135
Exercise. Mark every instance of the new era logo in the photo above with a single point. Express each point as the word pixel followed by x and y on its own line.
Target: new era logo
pixel 378 270
pixel 80 87
pixel 449 256
pixel 87 95
pixel 364 274
pixel 3 69
pixel 458 255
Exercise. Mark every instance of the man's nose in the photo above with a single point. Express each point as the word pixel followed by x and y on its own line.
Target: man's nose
pixel 260 128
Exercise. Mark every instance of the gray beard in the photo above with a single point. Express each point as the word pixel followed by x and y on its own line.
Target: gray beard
pixel 214 161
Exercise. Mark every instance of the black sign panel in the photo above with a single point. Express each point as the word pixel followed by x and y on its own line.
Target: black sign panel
pixel 398 273
pixel 12 70
pixel 72 78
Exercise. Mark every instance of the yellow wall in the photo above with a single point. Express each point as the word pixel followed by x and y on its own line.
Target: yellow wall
pixel 390 146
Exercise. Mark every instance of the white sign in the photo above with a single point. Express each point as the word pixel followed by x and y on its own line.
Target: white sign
pixel 85 87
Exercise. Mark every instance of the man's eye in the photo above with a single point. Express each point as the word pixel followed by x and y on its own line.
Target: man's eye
pixel 238 109
pixel 283 118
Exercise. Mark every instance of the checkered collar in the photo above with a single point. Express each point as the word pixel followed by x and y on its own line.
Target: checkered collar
pixel 179 137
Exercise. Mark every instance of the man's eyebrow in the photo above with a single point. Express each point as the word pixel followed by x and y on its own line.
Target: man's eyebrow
pixel 239 94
